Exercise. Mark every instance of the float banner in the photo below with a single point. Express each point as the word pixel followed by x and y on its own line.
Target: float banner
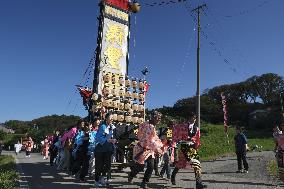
pixel 114 50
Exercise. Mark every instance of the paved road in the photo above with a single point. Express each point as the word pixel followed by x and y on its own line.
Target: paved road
pixel 36 173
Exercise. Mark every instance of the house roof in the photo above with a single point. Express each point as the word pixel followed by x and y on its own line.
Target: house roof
pixel 6 130
pixel 258 111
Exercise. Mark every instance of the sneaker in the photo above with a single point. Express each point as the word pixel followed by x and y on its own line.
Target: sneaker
pixel 97 184
pixel 161 175
pixel 239 171
pixel 200 186
pixel 108 181
pixel 245 171
pixel 73 176
pixel 130 179
pixel 103 181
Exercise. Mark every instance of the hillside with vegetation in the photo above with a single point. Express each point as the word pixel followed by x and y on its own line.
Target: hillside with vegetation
pixel 38 128
pixel 254 103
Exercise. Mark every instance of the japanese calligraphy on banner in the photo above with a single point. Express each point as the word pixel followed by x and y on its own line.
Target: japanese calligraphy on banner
pixel 114 45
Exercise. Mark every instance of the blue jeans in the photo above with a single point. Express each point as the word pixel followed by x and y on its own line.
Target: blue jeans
pixel 166 167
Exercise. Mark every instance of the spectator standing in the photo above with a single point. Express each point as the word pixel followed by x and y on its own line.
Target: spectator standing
pixel 241 149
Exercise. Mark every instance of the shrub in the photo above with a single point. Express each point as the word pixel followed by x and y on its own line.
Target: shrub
pixel 8 177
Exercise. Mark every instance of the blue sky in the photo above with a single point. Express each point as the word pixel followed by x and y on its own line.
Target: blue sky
pixel 46 46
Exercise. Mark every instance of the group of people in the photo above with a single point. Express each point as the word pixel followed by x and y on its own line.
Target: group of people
pixel 89 148
pixel 181 149
pixel 73 151
pixel 28 145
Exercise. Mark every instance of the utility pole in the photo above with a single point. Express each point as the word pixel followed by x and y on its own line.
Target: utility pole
pixel 198 63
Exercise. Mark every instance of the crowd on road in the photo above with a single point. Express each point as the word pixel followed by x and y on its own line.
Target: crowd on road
pixel 90 148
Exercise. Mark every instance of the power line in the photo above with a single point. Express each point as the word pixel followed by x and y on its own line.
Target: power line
pixel 217 50
pixel 189 47
pixel 248 11
pixel 213 44
pixel 161 3
pixel 234 50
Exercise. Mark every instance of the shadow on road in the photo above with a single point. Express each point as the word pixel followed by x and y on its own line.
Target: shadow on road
pixel 40 175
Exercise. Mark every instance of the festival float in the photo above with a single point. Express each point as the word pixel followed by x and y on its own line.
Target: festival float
pixel 113 89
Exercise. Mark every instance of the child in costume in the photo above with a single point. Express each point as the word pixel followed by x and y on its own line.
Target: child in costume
pixel 187 137
pixel 29 146
pixel 168 148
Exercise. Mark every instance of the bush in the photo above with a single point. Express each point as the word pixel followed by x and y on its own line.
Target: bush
pixel 8 177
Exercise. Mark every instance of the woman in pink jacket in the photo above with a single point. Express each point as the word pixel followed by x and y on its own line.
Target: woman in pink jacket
pixel 149 144
pixel 45 149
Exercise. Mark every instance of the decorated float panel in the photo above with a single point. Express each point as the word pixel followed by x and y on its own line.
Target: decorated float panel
pixel 113 90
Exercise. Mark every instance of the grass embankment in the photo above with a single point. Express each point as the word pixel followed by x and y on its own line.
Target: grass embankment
pixel 8 175
pixel 214 143
pixel 272 168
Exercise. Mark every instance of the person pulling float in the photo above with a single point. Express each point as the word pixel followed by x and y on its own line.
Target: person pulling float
pixel 187 138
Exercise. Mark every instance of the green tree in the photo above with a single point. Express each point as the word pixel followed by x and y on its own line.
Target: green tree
pixel 2 135
pixel 268 87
